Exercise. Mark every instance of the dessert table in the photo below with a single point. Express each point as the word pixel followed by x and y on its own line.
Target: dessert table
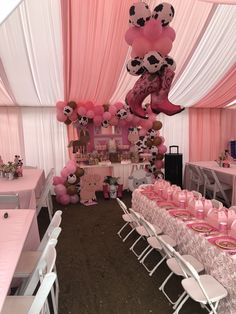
pixel 16 233
pixel 28 187
pixel 225 175
pixel 121 170
pixel 217 262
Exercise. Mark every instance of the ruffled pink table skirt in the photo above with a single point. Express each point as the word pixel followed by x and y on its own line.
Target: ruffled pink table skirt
pixel 217 262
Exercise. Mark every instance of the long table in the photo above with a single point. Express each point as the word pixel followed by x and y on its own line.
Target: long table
pixel 217 262
pixel 13 234
pixel 225 175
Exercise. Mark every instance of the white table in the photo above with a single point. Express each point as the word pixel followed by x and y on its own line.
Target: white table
pixel 225 175
pixel 13 234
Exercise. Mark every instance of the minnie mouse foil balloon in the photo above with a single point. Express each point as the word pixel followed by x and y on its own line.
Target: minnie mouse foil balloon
pixel 151 39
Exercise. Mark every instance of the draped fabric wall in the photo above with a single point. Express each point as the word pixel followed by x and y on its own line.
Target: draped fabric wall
pixel 75 50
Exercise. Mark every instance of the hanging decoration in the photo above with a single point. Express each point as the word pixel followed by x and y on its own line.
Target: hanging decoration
pixel 151 39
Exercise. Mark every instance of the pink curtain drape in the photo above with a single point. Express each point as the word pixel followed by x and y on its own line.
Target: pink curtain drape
pixel 94 47
pixel 204 134
pixel 222 94
pixel 210 131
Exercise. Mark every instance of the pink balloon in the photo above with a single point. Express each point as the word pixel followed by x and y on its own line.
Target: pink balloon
pixel 142 132
pixel 60 105
pixel 98 110
pixel 65 172
pixel 163 45
pixel 141 46
pixel 129 117
pixel 71 168
pixel 89 105
pixel 65 199
pixel 114 121
pixel 152 29
pixel 163 139
pixel 119 105
pixel 169 32
pixel 58 180
pixel 122 122
pixel 81 111
pixel 97 120
pixel 162 149
pixel 112 110
pixel 159 164
pixel 147 124
pixel 61 117
pixel 58 198
pixel 136 121
pixel 74 199
pixel 73 116
pixel 131 34
pixel 107 115
pixel 60 189
pixel 90 114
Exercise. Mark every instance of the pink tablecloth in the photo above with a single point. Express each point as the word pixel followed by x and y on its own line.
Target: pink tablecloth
pixel 219 264
pixel 13 234
pixel 226 175
pixel 28 187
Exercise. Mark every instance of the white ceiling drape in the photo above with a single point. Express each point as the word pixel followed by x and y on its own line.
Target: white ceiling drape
pixel 31 51
pixel 212 58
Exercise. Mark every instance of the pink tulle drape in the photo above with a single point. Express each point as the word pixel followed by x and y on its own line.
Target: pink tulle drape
pixel 222 94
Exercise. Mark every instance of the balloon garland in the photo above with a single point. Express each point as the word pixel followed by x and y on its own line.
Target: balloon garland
pixel 151 39
pixel 67 186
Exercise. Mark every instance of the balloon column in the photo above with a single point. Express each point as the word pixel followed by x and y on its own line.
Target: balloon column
pixel 150 141
pixel 67 186
pixel 151 39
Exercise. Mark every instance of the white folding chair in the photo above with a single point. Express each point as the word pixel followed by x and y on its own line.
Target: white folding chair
pixel 204 289
pixel 28 259
pixel 214 186
pixel 45 197
pixel 30 304
pixel 175 268
pixel 127 217
pixel 10 201
pixel 195 177
pixel 154 244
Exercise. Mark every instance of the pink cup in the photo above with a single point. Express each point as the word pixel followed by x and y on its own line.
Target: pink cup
pixel 223 227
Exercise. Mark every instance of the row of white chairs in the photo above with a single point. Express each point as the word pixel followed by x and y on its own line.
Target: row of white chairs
pixel 34 267
pixel 204 289
pixel 207 181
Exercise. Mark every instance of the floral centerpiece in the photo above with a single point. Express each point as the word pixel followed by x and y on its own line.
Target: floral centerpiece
pixel 223 159
pixel 111 187
pixel 11 169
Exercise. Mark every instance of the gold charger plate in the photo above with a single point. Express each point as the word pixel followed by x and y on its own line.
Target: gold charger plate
pixel 226 244
pixel 202 228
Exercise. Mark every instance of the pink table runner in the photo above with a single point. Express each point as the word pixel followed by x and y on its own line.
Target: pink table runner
pixel 226 175
pixel 13 233
pixel 28 187
pixel 217 262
